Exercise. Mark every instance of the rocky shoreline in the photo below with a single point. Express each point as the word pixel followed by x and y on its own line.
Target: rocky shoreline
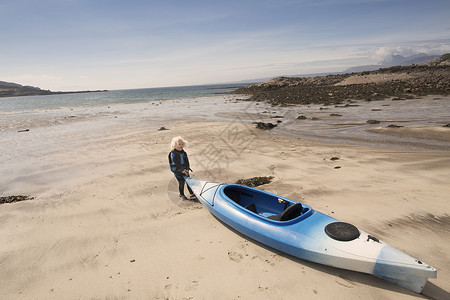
pixel 399 83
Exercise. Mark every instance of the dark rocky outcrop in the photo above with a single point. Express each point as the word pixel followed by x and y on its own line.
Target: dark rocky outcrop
pixel 399 82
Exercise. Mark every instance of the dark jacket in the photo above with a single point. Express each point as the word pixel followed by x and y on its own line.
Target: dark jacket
pixel 178 161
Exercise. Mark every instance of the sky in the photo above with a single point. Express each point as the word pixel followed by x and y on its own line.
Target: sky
pixel 67 45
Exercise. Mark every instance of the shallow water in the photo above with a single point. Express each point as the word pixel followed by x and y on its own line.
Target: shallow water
pixel 336 124
pixel 349 124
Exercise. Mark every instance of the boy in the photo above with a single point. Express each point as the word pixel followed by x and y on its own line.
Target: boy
pixel 179 165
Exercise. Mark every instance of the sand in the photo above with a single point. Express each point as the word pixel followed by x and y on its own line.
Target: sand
pixel 378 78
pixel 106 221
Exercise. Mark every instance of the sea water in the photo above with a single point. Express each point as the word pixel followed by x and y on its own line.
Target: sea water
pixel 46 102
pixel 201 102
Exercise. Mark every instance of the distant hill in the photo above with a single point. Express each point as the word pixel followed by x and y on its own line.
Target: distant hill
pixel 396 60
pixel 10 89
pixel 4 85
pixel 366 68
pixel 416 59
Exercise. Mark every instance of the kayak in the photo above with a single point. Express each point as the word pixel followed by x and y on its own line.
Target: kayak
pixel 299 230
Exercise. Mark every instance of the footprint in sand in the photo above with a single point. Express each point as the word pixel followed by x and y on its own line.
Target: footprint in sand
pixel 234 256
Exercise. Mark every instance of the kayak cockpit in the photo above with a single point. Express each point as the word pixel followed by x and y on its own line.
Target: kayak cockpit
pixel 265 204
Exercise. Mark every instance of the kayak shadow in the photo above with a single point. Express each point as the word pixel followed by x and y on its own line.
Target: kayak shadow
pixel 187 203
pixel 430 290
pixel 173 195
pixel 434 292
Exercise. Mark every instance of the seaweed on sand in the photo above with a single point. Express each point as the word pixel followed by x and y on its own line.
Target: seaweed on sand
pixel 13 199
pixel 255 181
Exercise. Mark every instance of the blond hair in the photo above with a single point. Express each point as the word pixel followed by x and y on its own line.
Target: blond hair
pixel 176 140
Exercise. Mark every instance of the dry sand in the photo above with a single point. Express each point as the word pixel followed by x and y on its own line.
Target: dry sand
pixel 107 223
pixel 378 78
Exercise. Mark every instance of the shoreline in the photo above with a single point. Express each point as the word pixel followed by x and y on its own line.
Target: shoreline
pixel 106 221
pixel 401 124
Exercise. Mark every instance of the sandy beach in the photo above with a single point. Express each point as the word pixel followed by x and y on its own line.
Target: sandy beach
pixel 107 223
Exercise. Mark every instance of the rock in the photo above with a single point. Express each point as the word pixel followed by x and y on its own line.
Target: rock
pixel 24 130
pixel 335 158
pixel 302 118
pixel 162 128
pixel 264 126
pixel 373 121
pixel 394 126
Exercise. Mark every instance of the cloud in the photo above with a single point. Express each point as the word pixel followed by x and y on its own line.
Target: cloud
pixel 431 47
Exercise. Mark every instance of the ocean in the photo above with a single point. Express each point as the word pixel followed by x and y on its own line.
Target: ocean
pixel 127 107
pixel 31 103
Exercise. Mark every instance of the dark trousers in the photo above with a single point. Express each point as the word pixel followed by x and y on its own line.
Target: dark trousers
pixel 181 182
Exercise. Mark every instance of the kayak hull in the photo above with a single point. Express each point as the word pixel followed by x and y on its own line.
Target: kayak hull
pixel 307 235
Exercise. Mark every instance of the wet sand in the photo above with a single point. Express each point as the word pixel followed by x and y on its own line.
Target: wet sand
pixel 408 124
pixel 106 221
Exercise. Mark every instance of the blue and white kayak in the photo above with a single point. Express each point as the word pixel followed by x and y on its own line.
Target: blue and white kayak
pixel 301 231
